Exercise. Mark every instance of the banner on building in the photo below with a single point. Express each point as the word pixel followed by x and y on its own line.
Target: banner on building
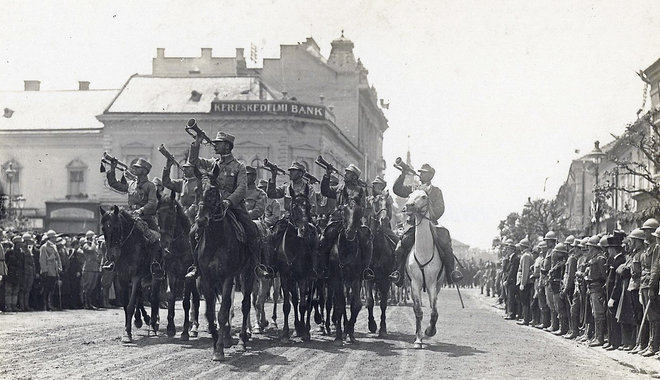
pixel 275 108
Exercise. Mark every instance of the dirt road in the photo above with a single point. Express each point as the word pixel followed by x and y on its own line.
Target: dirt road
pixel 474 342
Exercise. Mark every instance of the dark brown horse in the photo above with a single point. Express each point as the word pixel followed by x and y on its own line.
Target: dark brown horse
pixel 350 257
pixel 175 228
pixel 125 246
pixel 295 256
pixel 382 262
pixel 223 257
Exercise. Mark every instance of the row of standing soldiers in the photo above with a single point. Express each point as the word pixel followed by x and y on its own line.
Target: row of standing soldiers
pixel 236 185
pixel 602 290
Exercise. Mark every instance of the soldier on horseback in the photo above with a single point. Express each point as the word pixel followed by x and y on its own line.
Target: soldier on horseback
pixel 272 212
pixel 350 190
pixel 377 192
pixel 436 209
pixel 255 198
pixel 228 177
pixel 189 187
pixel 142 201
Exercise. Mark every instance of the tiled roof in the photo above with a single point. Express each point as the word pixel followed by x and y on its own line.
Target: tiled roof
pixel 53 110
pixel 147 94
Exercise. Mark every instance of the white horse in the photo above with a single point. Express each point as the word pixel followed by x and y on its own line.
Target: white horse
pixel 423 264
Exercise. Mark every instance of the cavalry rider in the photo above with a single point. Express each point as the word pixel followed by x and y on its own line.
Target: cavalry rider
pixel 377 191
pixel 272 212
pixel 255 198
pixel 227 176
pixel 436 209
pixel 189 187
pixel 142 201
pixel 344 193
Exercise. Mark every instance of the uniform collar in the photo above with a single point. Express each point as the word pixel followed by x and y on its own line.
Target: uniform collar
pixel 226 158
pixel 142 179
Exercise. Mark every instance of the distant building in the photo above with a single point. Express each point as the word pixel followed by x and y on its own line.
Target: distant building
pixel 296 107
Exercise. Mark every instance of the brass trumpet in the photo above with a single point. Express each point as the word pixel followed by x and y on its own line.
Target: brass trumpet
pixel 271 167
pixel 169 156
pixel 328 166
pixel 108 159
pixel 399 164
pixel 192 126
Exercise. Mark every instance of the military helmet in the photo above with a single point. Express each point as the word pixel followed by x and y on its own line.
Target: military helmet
pixel 27 236
pixel 561 247
pixel 603 242
pixel 593 241
pixel 650 224
pixel 142 163
pixel 525 243
pixel 656 233
pixel 550 236
pixel 509 242
pixel 570 239
pixel 637 233
pixel 584 241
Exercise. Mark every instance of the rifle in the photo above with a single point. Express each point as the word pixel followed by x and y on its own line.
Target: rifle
pixel 329 167
pixel 271 167
pixel 192 126
pixel 169 156
pixel 405 168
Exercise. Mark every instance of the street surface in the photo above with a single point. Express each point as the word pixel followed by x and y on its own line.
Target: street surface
pixel 475 342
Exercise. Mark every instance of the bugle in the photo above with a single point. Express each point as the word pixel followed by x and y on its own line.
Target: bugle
pixel 328 166
pixel 271 167
pixel 169 156
pixel 108 159
pixel 193 130
pixel 405 168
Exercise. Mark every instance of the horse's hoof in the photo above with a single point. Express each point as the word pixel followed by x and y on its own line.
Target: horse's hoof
pixel 430 331
pixel 126 339
pixel 147 320
pixel 306 337
pixel 337 343
pixel 227 343
pixel 418 346
pixel 320 329
pixel 171 331
pixel 138 323
pixel 372 326
pixel 351 339
pixel 285 340
pixel 382 333
pixel 194 333
pixel 241 347
pixel 256 330
pixel 185 336
pixel 318 318
pixel 218 356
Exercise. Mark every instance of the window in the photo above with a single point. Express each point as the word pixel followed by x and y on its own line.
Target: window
pixel 77 169
pixel 11 177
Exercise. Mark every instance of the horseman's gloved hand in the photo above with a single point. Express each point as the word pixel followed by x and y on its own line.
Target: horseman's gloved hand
pixel 226 203
pixel 136 213
pixel 610 303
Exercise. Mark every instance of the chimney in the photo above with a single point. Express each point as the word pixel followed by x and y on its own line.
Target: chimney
pixel 206 52
pixel 32 85
pixel 83 85
pixel 160 52
pixel 241 65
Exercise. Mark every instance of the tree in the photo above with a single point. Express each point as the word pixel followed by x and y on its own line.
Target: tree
pixel 537 217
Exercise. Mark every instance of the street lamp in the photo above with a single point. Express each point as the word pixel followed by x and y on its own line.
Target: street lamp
pixel 596 156
pixel 11 175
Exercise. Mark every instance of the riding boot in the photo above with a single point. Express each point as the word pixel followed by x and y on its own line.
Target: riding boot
pixel 599 336
pixel 109 266
pixel 399 265
pixel 156 253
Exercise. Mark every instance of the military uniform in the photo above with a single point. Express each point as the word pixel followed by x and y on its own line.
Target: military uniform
pixel 190 191
pixel 646 262
pixel 436 209
pixel 595 279
pixel 524 282
pixel 373 205
pixel 272 210
pixel 653 312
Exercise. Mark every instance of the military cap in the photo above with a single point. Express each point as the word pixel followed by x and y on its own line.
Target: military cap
pixel 157 181
pixel 142 163
pixel 650 224
pixel 637 233
pixel 295 165
pixel 603 242
pixel 354 169
pixel 224 136
pixel 427 168
pixel 561 247
pixel 525 243
pixel 263 183
pixel 250 170
pixel 378 180
pixel 569 240
pixel 550 236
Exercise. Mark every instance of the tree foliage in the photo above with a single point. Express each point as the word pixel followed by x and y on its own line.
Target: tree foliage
pixel 537 217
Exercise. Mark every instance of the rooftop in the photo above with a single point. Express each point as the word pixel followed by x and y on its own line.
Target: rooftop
pixel 53 110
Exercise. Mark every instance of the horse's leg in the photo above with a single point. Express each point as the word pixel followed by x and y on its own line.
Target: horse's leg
pixel 384 295
pixel 318 304
pixel 227 341
pixel 137 315
pixel 286 306
pixel 209 297
pixel 305 309
pixel 246 287
pixel 129 308
pixel 433 290
pixel 186 308
pixel 295 298
pixel 255 305
pixel 416 293
pixel 277 288
pixel 329 296
pixel 356 305
pixel 370 305
pixel 339 311
pixel 155 304
pixel 171 301
pixel 194 312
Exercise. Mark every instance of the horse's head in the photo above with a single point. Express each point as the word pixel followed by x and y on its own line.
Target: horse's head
pixel 417 203
pixel 300 212
pixel 111 225
pixel 167 214
pixel 379 205
pixel 352 218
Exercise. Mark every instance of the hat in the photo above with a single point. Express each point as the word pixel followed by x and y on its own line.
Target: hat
pixel 508 242
pixel 426 168
pixel 50 234
pixel 550 236
pixel 27 236
pixel 157 181
pixel 250 170
pixel 142 163
pixel 16 239
pixel 613 241
pixel 263 183
pixel 60 240
pixel 570 239
pixel 603 242
pixel 89 233
pixel 656 233
pixel 584 242
pixel 223 136
pixel 354 169
pixel 637 233
pixel 561 247
pixel 651 224
pixel 379 180
pixel 525 243
pixel 295 165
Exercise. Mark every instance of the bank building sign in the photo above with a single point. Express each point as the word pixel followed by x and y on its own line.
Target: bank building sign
pixel 274 108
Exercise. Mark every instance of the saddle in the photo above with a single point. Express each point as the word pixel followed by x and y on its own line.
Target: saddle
pixel 150 236
pixel 238 227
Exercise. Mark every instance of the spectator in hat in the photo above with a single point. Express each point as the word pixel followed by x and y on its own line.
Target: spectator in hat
pixel 14 279
pixel 29 272
pixel 51 267
pixel 91 271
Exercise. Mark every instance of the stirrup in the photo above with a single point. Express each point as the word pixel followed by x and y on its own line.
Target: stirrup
pixel 264 271
pixel 110 267
pixel 192 272
pixel 395 276
pixel 368 274
pixel 157 271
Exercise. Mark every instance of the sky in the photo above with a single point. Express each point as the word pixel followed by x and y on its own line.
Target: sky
pixel 496 95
